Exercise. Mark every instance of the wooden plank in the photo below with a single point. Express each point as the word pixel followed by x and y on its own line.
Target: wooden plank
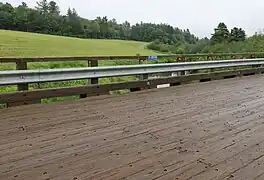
pixel 209 130
pixel 80 58
pixel 63 58
pixel 92 90
pixel 95 90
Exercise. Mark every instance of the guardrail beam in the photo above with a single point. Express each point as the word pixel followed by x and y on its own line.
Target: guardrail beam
pixel 49 75
pixel 22 77
pixel 92 90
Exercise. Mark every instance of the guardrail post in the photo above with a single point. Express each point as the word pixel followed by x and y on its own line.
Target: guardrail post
pixel 21 66
pixel 141 77
pixel 22 87
pixel 91 63
pixel 144 76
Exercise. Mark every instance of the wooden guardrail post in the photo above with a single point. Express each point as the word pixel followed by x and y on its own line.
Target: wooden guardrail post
pixel 182 59
pixel 141 77
pixel 20 65
pixel 143 61
pixel 91 63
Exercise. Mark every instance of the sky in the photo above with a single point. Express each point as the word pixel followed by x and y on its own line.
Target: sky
pixel 200 16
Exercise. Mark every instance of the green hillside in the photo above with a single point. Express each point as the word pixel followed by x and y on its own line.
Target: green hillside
pixel 14 43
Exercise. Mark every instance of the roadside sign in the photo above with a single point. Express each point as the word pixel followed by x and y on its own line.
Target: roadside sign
pixel 152 57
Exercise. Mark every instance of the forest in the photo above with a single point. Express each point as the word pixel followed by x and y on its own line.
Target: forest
pixel 46 18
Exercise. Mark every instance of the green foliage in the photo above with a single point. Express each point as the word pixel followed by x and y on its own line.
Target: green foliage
pixel 251 44
pixel 221 34
pixel 46 18
pixel 221 40
pixel 165 48
pixel 157 46
pixel 237 34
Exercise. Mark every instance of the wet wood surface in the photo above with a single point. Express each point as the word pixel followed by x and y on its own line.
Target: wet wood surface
pixel 210 130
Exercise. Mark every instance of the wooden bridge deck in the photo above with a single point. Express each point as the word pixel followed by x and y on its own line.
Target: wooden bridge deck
pixel 211 130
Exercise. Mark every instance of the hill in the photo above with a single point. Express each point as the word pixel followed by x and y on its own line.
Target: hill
pixel 15 43
pixel 46 18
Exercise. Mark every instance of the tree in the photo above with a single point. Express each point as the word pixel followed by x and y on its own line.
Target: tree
pixel 53 8
pixel 6 16
pixel 125 30
pixel 42 6
pixel 221 34
pixel 237 34
pixel 242 34
pixel 24 4
pixel 75 23
pixel 21 20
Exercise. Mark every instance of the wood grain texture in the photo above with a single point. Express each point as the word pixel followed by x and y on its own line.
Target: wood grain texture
pixel 210 130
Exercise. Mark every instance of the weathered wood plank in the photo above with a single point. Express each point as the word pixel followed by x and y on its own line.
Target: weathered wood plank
pixel 210 130
pixel 74 58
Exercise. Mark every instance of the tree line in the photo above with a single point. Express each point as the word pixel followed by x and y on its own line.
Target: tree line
pixel 221 35
pixel 47 18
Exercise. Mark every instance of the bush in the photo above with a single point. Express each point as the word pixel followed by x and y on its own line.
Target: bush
pixel 157 46
pixel 153 46
pixel 177 50
pixel 164 48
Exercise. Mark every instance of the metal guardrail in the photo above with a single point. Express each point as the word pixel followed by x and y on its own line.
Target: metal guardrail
pixel 93 61
pixel 22 77
pixel 50 75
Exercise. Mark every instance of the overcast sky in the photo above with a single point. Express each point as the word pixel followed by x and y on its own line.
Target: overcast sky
pixel 200 16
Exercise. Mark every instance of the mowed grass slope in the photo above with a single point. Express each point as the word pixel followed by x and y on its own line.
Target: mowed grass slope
pixel 22 44
pixel 14 43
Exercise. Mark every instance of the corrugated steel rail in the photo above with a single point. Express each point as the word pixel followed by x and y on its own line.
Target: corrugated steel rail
pixel 50 75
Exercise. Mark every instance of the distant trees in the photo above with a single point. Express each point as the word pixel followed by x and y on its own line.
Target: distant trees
pixel 222 34
pixel 46 18
pixel 7 16
pixel 237 34
pixel 185 42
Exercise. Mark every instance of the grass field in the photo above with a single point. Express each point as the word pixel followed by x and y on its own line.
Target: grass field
pixel 22 44
pixel 14 43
